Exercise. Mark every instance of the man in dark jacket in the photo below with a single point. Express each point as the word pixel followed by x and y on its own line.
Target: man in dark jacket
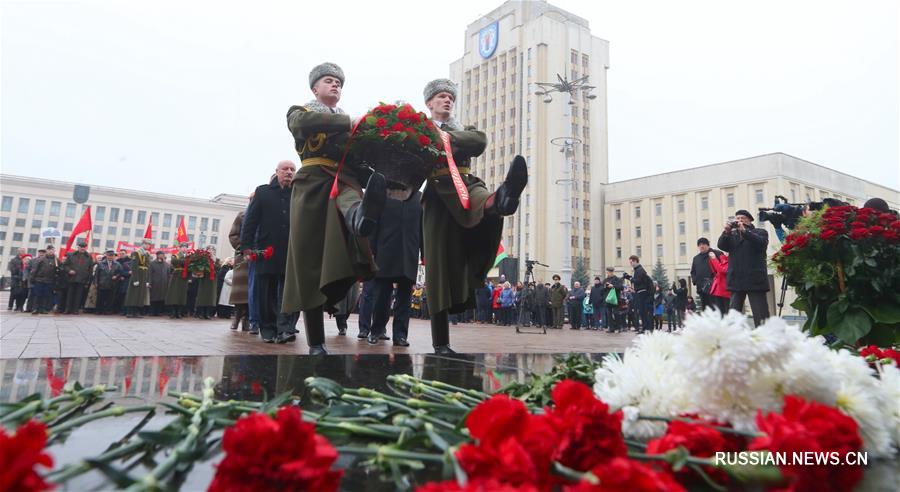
pixel 643 294
pixel 396 244
pixel 42 277
pixel 541 304
pixel 18 281
pixel 701 274
pixel 575 300
pixel 159 283
pixel 121 288
pixel 483 302
pixel 267 223
pixel 108 272
pixel 747 274
pixel 78 267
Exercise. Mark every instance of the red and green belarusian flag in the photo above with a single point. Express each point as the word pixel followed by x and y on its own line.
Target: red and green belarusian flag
pixel 501 253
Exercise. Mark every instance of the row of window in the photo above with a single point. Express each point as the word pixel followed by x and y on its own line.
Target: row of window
pixel 704 204
pixel 682 251
pixel 19 237
pixel 659 229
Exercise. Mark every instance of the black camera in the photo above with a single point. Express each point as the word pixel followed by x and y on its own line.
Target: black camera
pixel 626 276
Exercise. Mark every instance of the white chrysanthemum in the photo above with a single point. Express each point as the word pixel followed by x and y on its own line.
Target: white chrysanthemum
pixel 889 381
pixel 807 371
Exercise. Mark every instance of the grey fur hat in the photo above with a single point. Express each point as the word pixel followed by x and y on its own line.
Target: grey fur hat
pixel 324 69
pixel 437 86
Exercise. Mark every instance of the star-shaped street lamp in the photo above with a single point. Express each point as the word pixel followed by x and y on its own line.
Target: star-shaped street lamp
pixel 564 86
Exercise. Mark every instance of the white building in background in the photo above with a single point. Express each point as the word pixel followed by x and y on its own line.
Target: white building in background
pixel 506 53
pixel 29 206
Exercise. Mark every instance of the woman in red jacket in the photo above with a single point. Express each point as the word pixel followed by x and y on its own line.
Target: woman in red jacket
pixel 495 303
pixel 719 290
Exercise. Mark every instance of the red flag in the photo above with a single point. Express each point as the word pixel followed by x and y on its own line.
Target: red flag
pixel 181 236
pixel 148 234
pixel 84 224
pixel 501 254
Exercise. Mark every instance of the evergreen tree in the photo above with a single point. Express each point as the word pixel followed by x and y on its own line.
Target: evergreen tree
pixel 580 273
pixel 659 275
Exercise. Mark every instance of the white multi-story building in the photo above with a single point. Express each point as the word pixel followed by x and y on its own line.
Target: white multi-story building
pixel 507 52
pixel 29 206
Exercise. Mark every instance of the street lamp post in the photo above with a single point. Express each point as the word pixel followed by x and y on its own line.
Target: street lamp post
pixel 567 147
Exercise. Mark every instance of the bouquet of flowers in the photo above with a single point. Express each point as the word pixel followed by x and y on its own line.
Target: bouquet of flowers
pixel 261 254
pixel 399 143
pixel 844 264
pixel 199 264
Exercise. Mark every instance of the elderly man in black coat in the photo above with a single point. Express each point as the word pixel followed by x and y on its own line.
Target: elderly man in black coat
pixel 396 245
pixel 747 274
pixel 267 223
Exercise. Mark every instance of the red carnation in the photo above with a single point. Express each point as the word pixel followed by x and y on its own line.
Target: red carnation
pixel 268 252
pixel 828 234
pixel 701 440
pixel 479 485
pixel 381 123
pixel 886 218
pixel 383 133
pixel 588 433
pixel 859 233
pixel 20 454
pixel 624 474
pixel 856 224
pixel 284 453
pixel 808 426
pixel 252 256
pixel 423 140
pixel 397 127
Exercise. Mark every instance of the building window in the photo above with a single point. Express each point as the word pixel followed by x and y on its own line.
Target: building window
pixel 33 238
pixel 7 203
pixel 705 225
pixel 165 236
pixel 20 222
pixel 112 231
pixel 729 200
pixel 658 230
pixel 704 203
pixel 618 214
pixel 759 195
pixel 23 205
pixel 681 228
pixel 638 251
pixel 67 226
pixel 32 251
pixel 659 250
pixel 95 243
pixel 574 241
pixel 17 236
pixel 618 234
pixel 138 233
pixel 113 214
pixel 54 209
pixel 36 223
pixel 98 229
pixel 154 218
pixel 587 224
pixel 2 235
pixel 215 225
pixel 167 220
pixel 681 206
pixel 39 206
pixel 658 209
pixel 129 215
pixel 637 212
pixel 109 244
pixel 70 210
pixel 191 237
pixel 126 232
pixel 587 243
pixel 619 253
pixel 100 214
pixel 142 217
pixel 215 240
pixel 637 231
pixel 4 221
pixel 682 249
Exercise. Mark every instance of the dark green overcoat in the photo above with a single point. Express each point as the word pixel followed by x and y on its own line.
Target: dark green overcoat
pixel 139 295
pixel 176 294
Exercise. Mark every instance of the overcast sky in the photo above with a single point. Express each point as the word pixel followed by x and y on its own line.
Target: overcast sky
pixel 190 97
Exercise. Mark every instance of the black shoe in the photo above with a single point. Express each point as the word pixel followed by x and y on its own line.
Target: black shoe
pixel 373 339
pixel 342 331
pixel 318 350
pixel 254 331
pixel 362 335
pixel 285 338
pixel 506 199
pixel 268 340
pixel 384 337
pixel 400 342
pixel 366 215
pixel 443 350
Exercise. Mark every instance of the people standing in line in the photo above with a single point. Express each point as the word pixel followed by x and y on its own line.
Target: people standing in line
pixel 397 247
pixel 669 300
pixel 679 288
pixel 587 311
pixel 18 282
pixel 658 307
pixel 597 300
pixel 122 284
pixel 137 296
pixel 747 273
pixel 496 306
pixel 267 223
pixel 42 277
pixel 160 271
pixel 507 299
pixel 177 289
pixel 558 295
pixel 240 277
pixel 719 295
pixel 483 296
pixel 701 274
pixel 541 304
pixel 224 308
pixel 643 294
pixel 574 300
pixel 107 275
pixel 205 306
pixel 78 267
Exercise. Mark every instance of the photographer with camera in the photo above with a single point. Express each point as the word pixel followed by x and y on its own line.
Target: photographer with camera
pixel 747 274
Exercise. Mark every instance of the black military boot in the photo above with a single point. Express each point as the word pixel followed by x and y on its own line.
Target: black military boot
pixel 505 200
pixel 314 323
pixel 362 218
pixel 440 333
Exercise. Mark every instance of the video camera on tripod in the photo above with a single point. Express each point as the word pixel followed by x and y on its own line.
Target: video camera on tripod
pixel 786 215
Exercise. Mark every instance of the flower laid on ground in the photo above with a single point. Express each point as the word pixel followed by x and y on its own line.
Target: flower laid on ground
pixel 481 485
pixel 20 453
pixel 284 453
pixel 874 354
pixel 805 426
pixel 699 439
pixel 723 369
pixel 843 263
pixel 624 474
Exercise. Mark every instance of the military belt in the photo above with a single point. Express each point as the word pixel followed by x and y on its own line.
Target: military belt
pixel 444 171
pixel 318 161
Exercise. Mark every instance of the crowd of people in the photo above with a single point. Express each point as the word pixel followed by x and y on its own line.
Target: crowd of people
pixel 135 284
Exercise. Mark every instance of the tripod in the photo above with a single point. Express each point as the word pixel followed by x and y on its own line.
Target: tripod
pixel 522 312
pixel 783 294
